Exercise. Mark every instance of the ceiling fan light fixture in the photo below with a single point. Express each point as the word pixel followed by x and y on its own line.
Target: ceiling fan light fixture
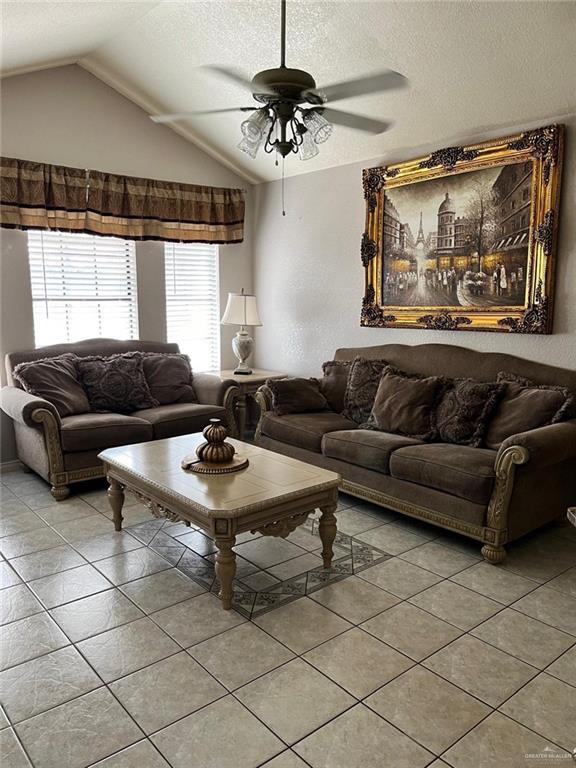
pixel 255 126
pixel 318 126
pixel 250 146
pixel 293 115
pixel 308 148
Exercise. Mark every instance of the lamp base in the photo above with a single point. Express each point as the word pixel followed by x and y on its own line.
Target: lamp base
pixel 242 344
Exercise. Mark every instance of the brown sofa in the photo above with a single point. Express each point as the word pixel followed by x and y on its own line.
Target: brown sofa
pixel 65 450
pixel 494 496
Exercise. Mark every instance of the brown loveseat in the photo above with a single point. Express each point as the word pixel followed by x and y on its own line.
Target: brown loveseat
pixel 494 496
pixel 65 450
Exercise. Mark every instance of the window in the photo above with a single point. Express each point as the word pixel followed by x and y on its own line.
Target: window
pixel 192 302
pixel 83 286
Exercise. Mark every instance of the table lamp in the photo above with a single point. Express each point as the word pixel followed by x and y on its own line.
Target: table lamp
pixel 241 310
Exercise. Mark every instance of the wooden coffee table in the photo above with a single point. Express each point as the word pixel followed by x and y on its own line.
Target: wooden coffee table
pixel 273 495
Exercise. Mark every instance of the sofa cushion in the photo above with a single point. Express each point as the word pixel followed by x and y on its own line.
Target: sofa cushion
pixel 169 378
pixel 459 470
pixel 412 494
pixel 294 395
pixel 406 404
pixel 180 418
pixel 364 447
pixel 115 383
pixel 304 430
pixel 96 431
pixel 465 411
pixel 361 388
pixel 527 406
pixel 333 383
pixel 54 379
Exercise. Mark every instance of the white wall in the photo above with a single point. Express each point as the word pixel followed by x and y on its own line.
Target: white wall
pixel 310 281
pixel 66 116
pixel 307 270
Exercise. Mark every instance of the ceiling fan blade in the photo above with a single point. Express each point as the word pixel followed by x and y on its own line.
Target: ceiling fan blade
pixel 174 118
pixel 383 81
pixel 358 122
pixel 232 75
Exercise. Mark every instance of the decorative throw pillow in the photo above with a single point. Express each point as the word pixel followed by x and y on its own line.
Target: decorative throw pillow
pixel 333 383
pixel 54 379
pixel 115 384
pixel 527 406
pixel 361 388
pixel 406 404
pixel 465 410
pixel 296 396
pixel 169 377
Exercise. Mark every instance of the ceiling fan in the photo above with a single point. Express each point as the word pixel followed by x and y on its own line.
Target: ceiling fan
pixel 294 116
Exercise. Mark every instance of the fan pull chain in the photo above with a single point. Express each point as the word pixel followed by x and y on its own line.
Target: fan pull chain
pixel 283 200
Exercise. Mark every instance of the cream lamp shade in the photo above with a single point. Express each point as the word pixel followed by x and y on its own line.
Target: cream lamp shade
pixel 241 309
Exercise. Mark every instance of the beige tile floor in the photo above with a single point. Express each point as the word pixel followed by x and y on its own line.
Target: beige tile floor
pixel 115 652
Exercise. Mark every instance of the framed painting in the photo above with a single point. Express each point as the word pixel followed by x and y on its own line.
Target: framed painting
pixel 465 238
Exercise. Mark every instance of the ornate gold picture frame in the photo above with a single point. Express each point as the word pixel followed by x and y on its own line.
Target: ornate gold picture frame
pixel 465 238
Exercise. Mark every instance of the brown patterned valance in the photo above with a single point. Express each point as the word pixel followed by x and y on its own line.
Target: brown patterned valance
pixel 42 196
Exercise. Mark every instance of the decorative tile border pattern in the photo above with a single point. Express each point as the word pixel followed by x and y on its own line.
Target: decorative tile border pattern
pixel 350 557
pixel 364 635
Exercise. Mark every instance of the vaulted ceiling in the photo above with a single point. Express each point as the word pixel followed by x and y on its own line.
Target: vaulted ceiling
pixel 471 65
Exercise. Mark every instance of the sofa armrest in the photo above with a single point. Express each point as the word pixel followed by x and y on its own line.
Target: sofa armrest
pixel 21 406
pixel 546 445
pixel 211 389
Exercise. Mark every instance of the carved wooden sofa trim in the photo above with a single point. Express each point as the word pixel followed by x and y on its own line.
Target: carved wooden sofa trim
pixel 534 472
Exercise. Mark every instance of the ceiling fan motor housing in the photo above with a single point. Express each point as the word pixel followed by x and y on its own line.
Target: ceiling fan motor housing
pixel 288 84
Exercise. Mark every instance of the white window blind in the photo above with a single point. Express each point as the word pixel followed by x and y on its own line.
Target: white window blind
pixel 193 302
pixel 83 286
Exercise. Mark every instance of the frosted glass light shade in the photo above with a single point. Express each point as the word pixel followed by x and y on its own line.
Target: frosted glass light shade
pixel 255 129
pixel 318 126
pixel 249 146
pixel 256 125
pixel 308 149
pixel 241 309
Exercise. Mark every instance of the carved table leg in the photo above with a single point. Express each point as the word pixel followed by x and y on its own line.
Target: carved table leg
pixel 327 533
pixel 226 569
pixel 116 499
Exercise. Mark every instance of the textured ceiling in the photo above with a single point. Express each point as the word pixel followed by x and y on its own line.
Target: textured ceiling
pixel 471 65
pixel 38 35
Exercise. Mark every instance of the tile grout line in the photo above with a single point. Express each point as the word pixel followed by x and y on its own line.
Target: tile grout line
pixel 356 625
pixel 403 599
pixel 512 719
pixel 21 744
pixel 106 685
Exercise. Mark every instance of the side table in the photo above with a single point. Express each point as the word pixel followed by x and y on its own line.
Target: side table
pixel 247 386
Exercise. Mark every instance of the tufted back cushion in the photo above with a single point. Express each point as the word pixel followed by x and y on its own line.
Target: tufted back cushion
pixel 460 362
pixel 86 348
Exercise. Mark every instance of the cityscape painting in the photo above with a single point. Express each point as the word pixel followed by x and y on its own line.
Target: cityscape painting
pixel 465 238
pixel 459 240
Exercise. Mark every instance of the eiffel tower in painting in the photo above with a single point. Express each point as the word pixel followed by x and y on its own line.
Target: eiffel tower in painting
pixel 420 241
